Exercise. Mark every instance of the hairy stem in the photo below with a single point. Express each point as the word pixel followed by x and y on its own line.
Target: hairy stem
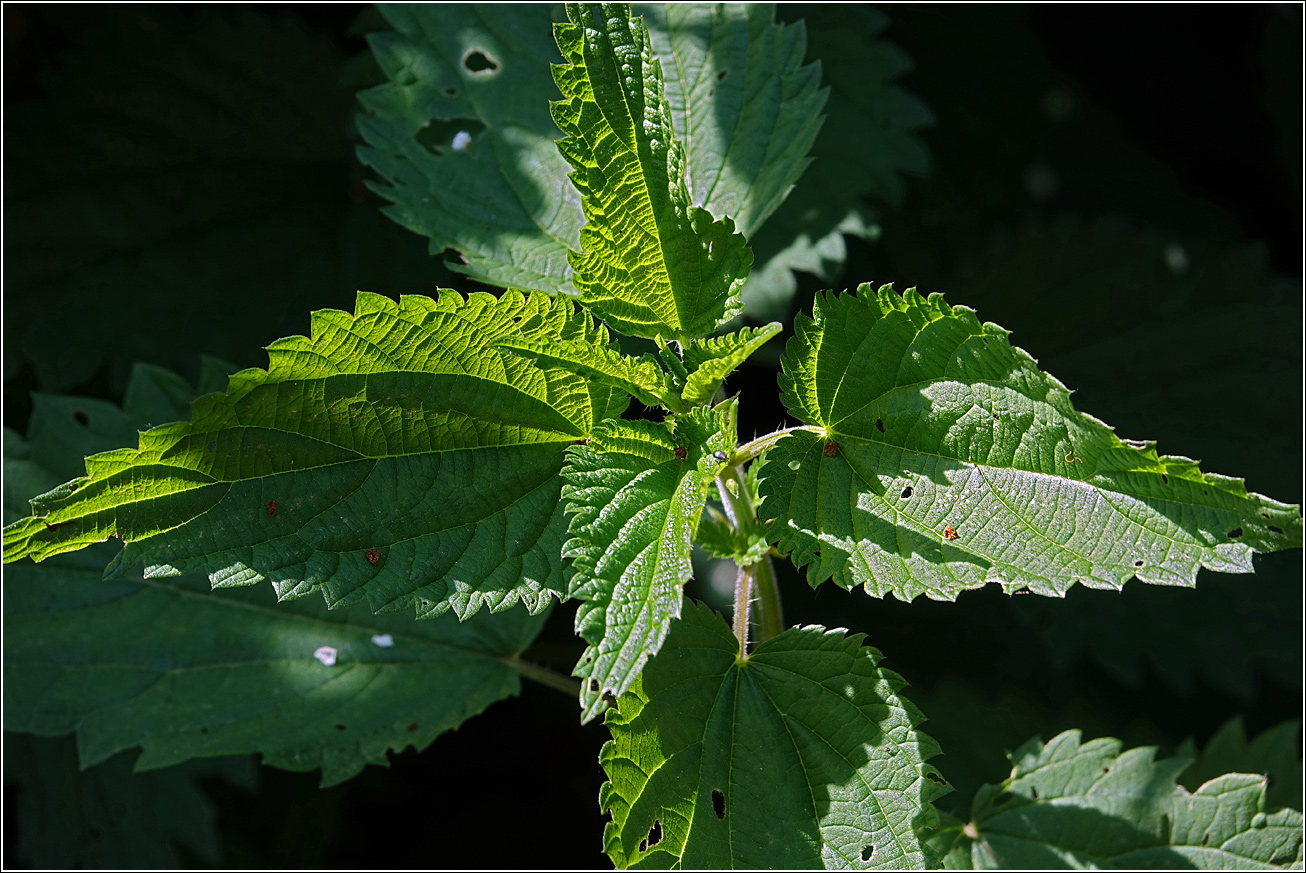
pixel 748 451
pixel 743 597
pixel 544 675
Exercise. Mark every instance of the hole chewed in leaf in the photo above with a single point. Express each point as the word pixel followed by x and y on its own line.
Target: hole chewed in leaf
pixel 879 425
pixel 453 256
pixel 1165 479
pixel 721 74
pixel 1138 563
pixel 477 61
pixel 594 686
pixel 1275 529
pixel 867 852
pixel 655 833
pixel 718 803
pixel 441 136
pixel 935 778
pixel 906 492
pixel 81 418
pixel 341 727
pixel 1235 533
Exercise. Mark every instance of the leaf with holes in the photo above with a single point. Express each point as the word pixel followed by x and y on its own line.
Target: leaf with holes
pixel 1071 805
pixel 412 465
pixel 222 672
pixel 804 755
pixel 937 457
pixel 463 138
pixel 651 263
pixel 635 494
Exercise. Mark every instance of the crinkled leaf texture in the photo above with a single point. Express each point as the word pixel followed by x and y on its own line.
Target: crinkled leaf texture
pixel 496 195
pixel 394 459
pixel 651 263
pixel 185 672
pixel 635 494
pixel 1069 805
pixel 804 755
pixel 937 457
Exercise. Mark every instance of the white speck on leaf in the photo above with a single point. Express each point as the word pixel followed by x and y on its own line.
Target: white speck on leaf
pixel 326 654
pixel 385 641
pixel 461 140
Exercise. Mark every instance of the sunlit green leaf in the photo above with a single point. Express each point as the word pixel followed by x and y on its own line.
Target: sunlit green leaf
pixel 707 362
pixel 1273 752
pixel 395 458
pixel 651 263
pixel 635 494
pixel 804 755
pixel 937 457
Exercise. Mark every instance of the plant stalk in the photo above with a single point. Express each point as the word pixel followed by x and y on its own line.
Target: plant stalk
pixel 544 675
pixel 748 451
pixel 743 598
pixel 770 616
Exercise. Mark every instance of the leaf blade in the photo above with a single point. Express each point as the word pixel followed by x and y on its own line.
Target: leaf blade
pixel 650 264
pixel 947 460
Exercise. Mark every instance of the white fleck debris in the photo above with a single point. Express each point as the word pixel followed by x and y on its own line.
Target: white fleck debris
pixel 385 641
pixel 461 140
pixel 326 654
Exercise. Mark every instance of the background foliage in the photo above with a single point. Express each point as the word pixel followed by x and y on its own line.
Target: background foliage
pixel 182 181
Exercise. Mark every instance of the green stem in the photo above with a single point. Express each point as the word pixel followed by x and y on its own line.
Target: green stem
pixel 748 451
pixel 769 616
pixel 743 597
pixel 544 675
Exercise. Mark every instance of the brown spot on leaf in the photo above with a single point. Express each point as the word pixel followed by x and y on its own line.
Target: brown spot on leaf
pixel 373 556
pixel 831 449
pixel 681 453
pixel 272 508
pixel 949 532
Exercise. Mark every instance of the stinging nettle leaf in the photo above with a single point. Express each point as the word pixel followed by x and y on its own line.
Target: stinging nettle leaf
pixel 802 755
pixel 635 493
pixel 640 377
pixel 937 457
pixel 395 458
pixel 652 264
pixel 708 362
pixel 221 672
pixel 1071 805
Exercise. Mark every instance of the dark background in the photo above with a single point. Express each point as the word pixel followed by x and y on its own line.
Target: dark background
pixel 1074 147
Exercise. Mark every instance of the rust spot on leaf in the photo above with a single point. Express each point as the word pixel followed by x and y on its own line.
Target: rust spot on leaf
pixel 581 442
pixel 373 556
pixel 949 532
pixel 831 449
pixel 413 726
pixel 681 453
pixel 272 508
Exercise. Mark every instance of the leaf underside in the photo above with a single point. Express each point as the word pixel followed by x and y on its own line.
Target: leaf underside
pixel 1069 805
pixel 219 672
pixel 635 494
pixel 802 756
pixel 651 264
pixel 394 459
pixel 940 458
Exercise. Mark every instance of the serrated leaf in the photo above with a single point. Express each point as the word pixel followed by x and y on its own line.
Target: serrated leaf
pixel 1072 805
pixel 395 458
pixel 744 541
pixel 802 755
pixel 497 201
pixel 937 457
pixel 224 672
pixel 651 264
pixel 635 494
pixel 1273 753
pixel 640 377
pixel 495 194
pixel 709 361
pixel 741 100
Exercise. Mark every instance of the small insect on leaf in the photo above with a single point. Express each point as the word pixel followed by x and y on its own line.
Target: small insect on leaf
pixel 720 456
pixel 581 442
pixel 272 508
pixel 831 449
pixel 681 453
pixel 949 532
pixel 373 556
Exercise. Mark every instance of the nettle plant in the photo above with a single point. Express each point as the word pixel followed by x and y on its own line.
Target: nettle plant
pixel 465 459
